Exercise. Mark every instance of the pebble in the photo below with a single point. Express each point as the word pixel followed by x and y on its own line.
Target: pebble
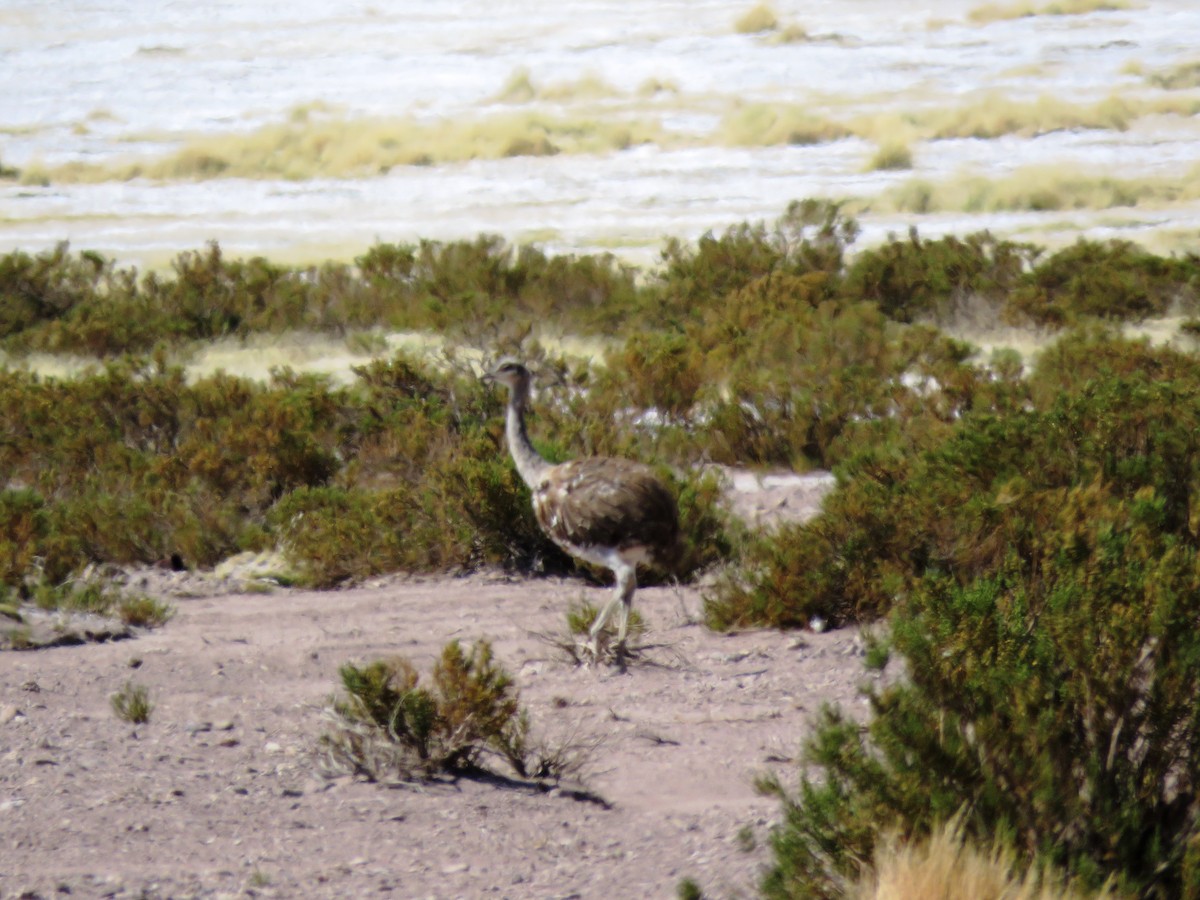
pixel 8 713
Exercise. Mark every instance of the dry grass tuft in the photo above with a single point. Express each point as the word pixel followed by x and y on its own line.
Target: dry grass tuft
pixel 340 147
pixel 765 124
pixel 994 12
pixel 947 867
pixel 132 704
pixel 1040 189
pixel 757 20
pixel 891 156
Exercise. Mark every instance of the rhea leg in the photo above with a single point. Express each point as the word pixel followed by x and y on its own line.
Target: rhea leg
pixel 621 600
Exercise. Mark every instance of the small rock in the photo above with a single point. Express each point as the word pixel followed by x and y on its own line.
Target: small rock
pixel 272 747
pixel 8 713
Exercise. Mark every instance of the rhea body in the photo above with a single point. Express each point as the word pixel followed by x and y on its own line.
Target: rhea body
pixel 608 511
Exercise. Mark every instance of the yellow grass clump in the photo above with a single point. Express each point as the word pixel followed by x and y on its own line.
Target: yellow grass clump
pixel 947 867
pixel 316 141
pixel 891 155
pixel 520 88
pixel 994 12
pixel 759 19
pixel 1041 189
pixel 993 115
pixel 766 124
pixel 1180 77
pixel 348 148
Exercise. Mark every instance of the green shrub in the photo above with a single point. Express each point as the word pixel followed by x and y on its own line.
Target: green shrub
pixel 919 278
pixel 23 528
pixel 945 497
pixel 661 371
pixel 1052 703
pixel 389 725
pixel 810 238
pixel 1104 279
pixel 37 289
pixel 1038 564
pixel 486 291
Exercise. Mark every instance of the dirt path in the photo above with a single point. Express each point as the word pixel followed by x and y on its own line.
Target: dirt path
pixel 220 793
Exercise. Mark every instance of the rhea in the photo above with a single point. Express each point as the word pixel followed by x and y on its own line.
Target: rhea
pixel 608 511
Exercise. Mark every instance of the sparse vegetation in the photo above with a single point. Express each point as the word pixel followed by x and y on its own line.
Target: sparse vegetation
pixel 92 593
pixel 1037 189
pixel 144 611
pixel 587 115
pixel 389 727
pixel 581 616
pixel 1180 77
pixel 132 704
pixel 992 12
pixel 891 155
pixel 757 19
pixel 1035 561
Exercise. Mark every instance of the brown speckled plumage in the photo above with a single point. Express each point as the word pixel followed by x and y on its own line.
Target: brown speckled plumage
pixel 606 502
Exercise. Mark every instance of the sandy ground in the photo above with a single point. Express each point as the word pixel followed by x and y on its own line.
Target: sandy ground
pixel 221 794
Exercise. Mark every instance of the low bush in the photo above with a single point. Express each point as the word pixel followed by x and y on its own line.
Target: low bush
pixel 1038 564
pixel 926 279
pixel 1113 280
pixel 485 290
pixel 1051 703
pixel 932 493
pixel 390 726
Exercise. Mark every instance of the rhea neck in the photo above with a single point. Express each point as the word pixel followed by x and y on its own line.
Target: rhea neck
pixel 530 464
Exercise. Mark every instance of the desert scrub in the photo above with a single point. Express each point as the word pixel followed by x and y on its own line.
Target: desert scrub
pixel 83 303
pixel 132 464
pixel 92 593
pixel 925 279
pixel 484 289
pixel 1037 563
pixel 145 612
pixel 1051 703
pixel 891 156
pixel 1114 280
pixel 387 725
pixel 761 346
pixel 956 490
pixel 404 469
pixel 132 704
